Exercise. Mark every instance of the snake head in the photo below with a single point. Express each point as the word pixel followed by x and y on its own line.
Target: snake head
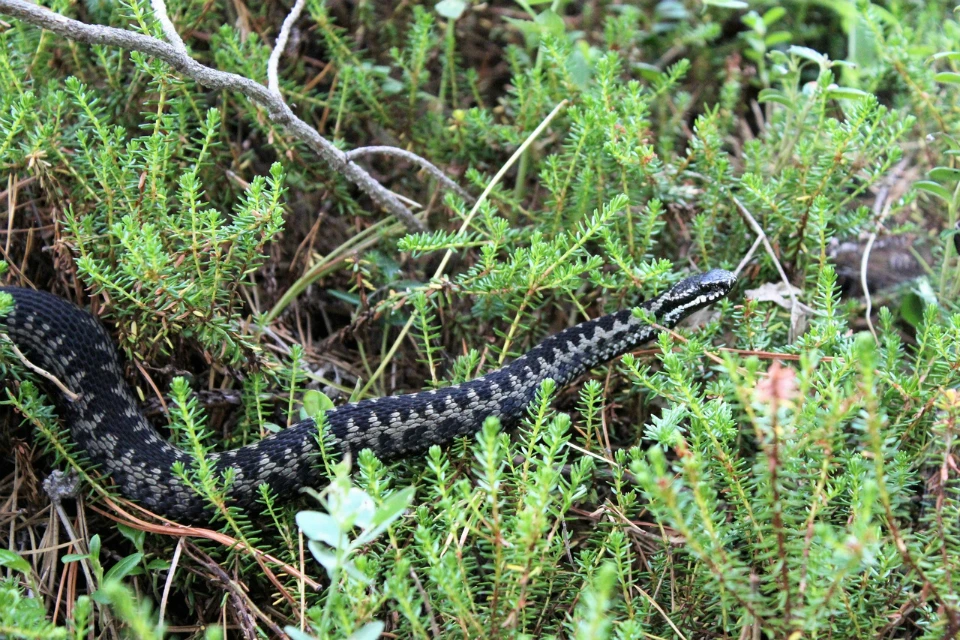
pixel 694 293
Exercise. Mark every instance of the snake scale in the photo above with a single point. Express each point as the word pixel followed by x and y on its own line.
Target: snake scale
pixel 108 426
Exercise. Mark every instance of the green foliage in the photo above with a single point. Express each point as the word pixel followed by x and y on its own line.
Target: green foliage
pixel 802 482
pixel 331 545
pixel 23 617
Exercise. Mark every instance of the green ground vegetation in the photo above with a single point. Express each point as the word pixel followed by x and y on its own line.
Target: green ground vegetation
pixel 785 470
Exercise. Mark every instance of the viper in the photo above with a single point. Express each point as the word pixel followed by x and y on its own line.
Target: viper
pixel 107 425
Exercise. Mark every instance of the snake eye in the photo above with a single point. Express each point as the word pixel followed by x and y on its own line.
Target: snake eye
pixel 697 292
pixel 718 280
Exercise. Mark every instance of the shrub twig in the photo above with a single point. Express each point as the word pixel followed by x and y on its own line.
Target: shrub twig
pixel 177 57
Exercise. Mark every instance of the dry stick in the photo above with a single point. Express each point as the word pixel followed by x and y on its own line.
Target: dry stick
pixel 169 31
pixel 463 227
pixel 880 211
pixel 762 236
pixel 747 258
pixel 273 80
pixel 234 591
pixel 173 529
pixel 73 397
pixel 881 208
pixel 177 58
pixel 170 573
pixel 11 209
pixel 429 167
pixel 795 304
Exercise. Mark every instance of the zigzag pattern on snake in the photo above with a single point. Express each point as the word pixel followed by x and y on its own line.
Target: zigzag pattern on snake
pixel 107 425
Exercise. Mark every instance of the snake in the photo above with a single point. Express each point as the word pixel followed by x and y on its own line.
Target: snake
pixel 106 423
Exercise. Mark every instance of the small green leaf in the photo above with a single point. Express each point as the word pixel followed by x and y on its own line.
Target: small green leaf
pixel 551 22
pixel 773 15
pixel 136 536
pixel 13 561
pixel 320 526
pixel 947 77
pixel 349 298
pixel 316 403
pixel 753 21
pixel 951 55
pixel 777 37
pixel 649 72
pixel 809 54
pixel 357 508
pixel 296 634
pixel 845 93
pixel 369 631
pixel 911 309
pixel 213 632
pixel 322 554
pixel 73 557
pixel 772 95
pixel 944 174
pixel 934 188
pixel 392 508
pixel 451 9
pixel 726 4
pixel 100 597
pixel 124 567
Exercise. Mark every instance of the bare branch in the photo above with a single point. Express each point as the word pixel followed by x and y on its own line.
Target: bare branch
pixel 747 258
pixel 43 373
pixel 278 112
pixel 425 164
pixel 273 78
pixel 881 207
pixel 169 31
pixel 796 305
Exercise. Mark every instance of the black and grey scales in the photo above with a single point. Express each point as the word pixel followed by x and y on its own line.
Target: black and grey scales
pixel 106 422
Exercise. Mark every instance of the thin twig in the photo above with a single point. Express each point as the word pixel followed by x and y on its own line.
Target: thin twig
pixel 273 79
pixel 175 529
pixel 425 164
pixel 73 397
pixel 881 208
pixel 178 59
pixel 463 228
pixel 747 258
pixel 243 606
pixel 762 236
pixel 169 581
pixel 758 230
pixel 169 31
pixel 80 543
pixel 865 260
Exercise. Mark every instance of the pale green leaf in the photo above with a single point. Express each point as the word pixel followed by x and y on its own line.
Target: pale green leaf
pixel 123 568
pixel 934 188
pixel 320 526
pixel 947 77
pixel 13 561
pixel 451 9
pixel 369 631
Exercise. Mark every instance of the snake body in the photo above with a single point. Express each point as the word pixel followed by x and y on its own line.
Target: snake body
pixel 108 426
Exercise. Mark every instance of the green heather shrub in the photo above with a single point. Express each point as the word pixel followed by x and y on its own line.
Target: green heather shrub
pixel 786 469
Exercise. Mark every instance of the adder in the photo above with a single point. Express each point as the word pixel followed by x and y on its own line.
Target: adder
pixel 106 423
